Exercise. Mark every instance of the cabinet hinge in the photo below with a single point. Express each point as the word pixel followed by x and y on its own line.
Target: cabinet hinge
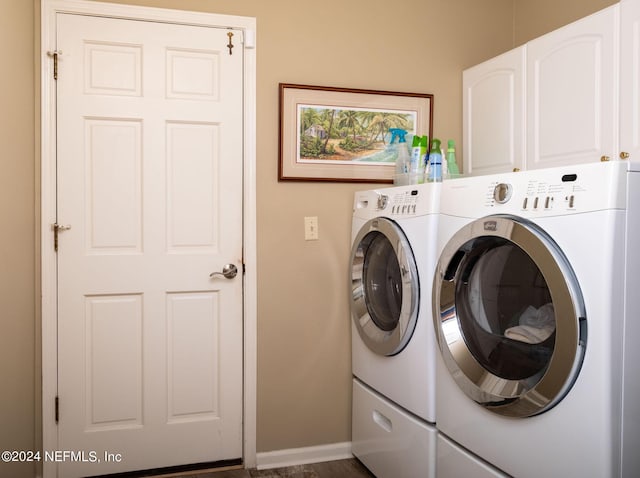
pixel 54 55
pixel 57 408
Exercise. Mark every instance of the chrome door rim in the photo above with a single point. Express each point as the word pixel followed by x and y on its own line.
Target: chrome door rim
pixel 380 341
pixel 537 394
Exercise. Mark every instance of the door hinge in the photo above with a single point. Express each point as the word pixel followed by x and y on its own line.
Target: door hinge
pixel 56 230
pixel 230 45
pixel 57 408
pixel 54 54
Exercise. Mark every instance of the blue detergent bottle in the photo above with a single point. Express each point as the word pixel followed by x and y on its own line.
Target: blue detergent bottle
pixel 435 162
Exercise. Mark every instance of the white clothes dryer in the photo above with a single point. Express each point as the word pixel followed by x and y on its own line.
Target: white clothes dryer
pixel 393 344
pixel 535 310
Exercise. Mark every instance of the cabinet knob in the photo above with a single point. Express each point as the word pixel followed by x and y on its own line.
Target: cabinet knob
pixel 624 155
pixel 604 158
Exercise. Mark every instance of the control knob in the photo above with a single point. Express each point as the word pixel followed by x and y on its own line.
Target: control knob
pixel 502 193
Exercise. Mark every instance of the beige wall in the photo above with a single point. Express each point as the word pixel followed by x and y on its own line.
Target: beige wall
pixel 17 239
pixel 303 318
pixel 533 18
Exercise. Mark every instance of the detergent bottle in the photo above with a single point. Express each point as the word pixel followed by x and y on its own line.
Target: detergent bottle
pixel 452 166
pixel 401 176
pixel 435 162
pixel 417 163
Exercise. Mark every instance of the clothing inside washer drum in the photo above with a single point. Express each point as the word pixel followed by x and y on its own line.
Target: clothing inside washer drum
pixel 532 325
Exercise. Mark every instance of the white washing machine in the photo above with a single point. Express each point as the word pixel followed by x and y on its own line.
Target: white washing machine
pixel 537 316
pixel 393 343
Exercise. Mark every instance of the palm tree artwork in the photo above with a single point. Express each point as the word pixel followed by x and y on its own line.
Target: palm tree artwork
pixel 330 134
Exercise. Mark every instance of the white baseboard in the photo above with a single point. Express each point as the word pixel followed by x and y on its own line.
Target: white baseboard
pixel 303 456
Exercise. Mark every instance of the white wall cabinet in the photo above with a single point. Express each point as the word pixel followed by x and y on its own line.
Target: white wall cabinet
pixel 493 110
pixel 570 99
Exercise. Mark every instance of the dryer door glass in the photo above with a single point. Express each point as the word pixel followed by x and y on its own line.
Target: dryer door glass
pixel 382 282
pixel 384 287
pixel 509 316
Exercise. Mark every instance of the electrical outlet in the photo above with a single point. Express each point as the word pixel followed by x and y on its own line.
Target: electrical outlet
pixel 311 228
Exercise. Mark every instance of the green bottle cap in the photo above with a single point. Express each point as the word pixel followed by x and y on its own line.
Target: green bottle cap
pixel 435 145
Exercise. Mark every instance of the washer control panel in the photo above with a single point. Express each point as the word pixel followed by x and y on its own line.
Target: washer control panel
pixel 547 195
pixel 535 193
pixel 556 191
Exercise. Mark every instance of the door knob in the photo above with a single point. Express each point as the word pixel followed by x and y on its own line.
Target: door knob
pixel 229 271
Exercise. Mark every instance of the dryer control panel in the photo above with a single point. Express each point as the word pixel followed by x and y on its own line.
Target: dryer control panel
pixel 398 202
pixel 403 203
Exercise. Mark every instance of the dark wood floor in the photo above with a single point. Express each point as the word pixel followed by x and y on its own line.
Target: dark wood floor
pixel 332 469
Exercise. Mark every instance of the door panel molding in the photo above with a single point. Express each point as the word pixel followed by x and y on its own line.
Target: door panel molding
pixel 46 409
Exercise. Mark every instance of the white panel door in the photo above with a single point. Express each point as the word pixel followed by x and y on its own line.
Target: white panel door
pixel 630 79
pixel 150 186
pixel 493 112
pixel 572 92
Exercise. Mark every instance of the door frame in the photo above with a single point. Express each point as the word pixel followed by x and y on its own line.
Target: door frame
pixel 48 147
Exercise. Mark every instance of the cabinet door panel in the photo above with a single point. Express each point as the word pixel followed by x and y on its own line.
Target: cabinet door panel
pixel 572 92
pixel 493 112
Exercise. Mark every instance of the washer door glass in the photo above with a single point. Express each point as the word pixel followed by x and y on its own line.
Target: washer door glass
pixel 509 316
pixel 384 287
